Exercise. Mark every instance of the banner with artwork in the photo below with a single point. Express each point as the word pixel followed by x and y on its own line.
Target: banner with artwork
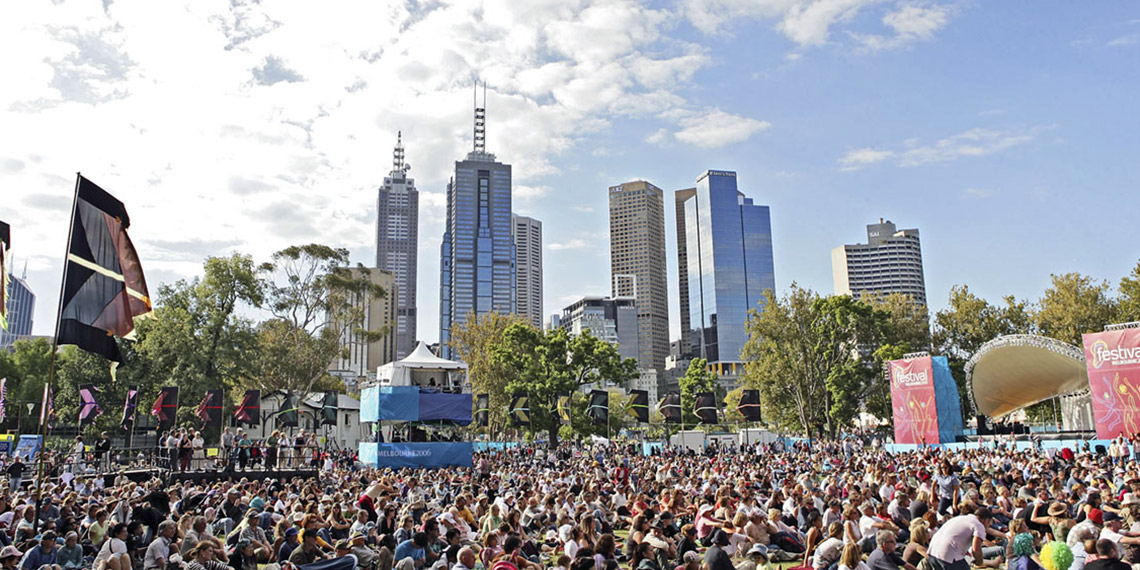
pixel 913 401
pixel 1113 360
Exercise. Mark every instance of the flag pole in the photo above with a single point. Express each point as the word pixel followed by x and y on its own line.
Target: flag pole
pixel 51 360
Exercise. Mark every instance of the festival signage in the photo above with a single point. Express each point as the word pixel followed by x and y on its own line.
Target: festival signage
pixel 913 401
pixel 399 455
pixel 1113 361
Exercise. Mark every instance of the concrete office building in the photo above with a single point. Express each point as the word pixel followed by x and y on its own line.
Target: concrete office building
pixel 477 258
pixel 890 262
pixel 637 264
pixel 679 198
pixel 527 235
pixel 728 240
pixel 397 243
pixel 364 357
pixel 21 308
pixel 613 320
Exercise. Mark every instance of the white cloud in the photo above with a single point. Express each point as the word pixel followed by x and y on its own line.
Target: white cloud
pixel 858 158
pixel 658 137
pixel 908 23
pixel 716 128
pixel 972 143
pixel 976 193
pixel 572 244
pixel 1122 41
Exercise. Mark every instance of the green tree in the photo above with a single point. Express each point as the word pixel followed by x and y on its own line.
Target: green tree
pixel 549 364
pixel 901 326
pixel 803 354
pixel 316 300
pixel 1129 300
pixel 697 379
pixel 472 344
pixel 1075 304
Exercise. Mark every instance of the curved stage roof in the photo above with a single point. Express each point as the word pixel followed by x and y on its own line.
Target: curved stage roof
pixel 1015 371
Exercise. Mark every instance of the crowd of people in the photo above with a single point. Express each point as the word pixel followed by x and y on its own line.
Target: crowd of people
pixel 830 506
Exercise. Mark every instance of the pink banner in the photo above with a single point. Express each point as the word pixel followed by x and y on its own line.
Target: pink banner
pixel 912 399
pixel 1113 360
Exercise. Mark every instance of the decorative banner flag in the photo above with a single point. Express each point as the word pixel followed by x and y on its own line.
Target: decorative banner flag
pixel 249 410
pixel 705 407
pixel 670 407
pixel 599 410
pixel 289 414
pixel 5 245
pixel 329 408
pixel 129 406
pixel 3 398
pixel 103 284
pixel 639 405
pixel 210 409
pixel 749 406
pixel 47 408
pixel 520 410
pixel 166 407
pixel 89 409
pixel 563 407
pixel 482 410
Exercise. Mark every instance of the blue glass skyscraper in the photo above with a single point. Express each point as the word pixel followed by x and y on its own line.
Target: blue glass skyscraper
pixel 728 244
pixel 477 258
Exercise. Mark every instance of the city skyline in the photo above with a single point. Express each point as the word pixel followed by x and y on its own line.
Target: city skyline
pixel 251 128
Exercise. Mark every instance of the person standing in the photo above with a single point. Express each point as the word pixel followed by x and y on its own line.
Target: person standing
pixel 960 536
pixel 16 473
pixel 103 451
pixel 227 446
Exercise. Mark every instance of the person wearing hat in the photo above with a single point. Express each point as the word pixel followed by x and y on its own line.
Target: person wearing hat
pixel 9 557
pixel 715 557
pixel 756 559
pixel 365 556
pixel 1057 521
pixel 42 555
pixel 1111 531
pixel 288 543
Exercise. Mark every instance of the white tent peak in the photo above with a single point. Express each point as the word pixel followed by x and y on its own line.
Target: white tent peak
pixel 422 357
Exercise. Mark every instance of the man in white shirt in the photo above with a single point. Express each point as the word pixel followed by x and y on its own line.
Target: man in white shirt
pixel 960 536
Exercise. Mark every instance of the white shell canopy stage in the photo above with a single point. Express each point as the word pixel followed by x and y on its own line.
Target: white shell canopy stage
pixel 424 369
pixel 1015 371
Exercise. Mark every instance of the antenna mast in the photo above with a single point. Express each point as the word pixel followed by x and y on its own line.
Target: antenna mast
pixel 480 119
pixel 398 155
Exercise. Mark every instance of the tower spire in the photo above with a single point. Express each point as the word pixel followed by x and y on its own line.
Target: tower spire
pixel 480 119
pixel 398 155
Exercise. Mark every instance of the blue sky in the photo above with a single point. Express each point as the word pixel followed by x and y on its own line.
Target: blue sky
pixel 1007 133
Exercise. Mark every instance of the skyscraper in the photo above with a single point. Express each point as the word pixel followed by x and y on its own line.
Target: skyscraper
pixel 608 319
pixel 397 236
pixel 527 235
pixel 364 357
pixel 477 261
pixel 679 198
pixel 890 262
pixel 637 264
pixel 21 308
pixel 728 240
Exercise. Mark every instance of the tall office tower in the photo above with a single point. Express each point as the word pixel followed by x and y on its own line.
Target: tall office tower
pixel 477 258
pixel 679 198
pixel 527 235
pixel 637 265
pixel 890 262
pixel 364 357
pixel 397 237
pixel 21 308
pixel 729 245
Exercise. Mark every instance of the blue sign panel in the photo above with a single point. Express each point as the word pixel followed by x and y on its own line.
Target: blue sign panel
pixel 397 455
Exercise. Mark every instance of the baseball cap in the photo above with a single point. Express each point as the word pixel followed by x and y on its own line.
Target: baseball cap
pixel 9 551
pixel 1111 516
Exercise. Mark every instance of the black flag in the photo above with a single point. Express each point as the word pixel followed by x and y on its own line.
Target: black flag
pixel 210 409
pixel 563 407
pixel 705 407
pixel 639 405
pixel 289 415
pixel 329 407
pixel 749 406
pixel 5 245
pixel 670 407
pixel 520 410
pixel 166 407
pixel 248 411
pixel 599 410
pixel 482 410
pixel 103 285
pixel 129 406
